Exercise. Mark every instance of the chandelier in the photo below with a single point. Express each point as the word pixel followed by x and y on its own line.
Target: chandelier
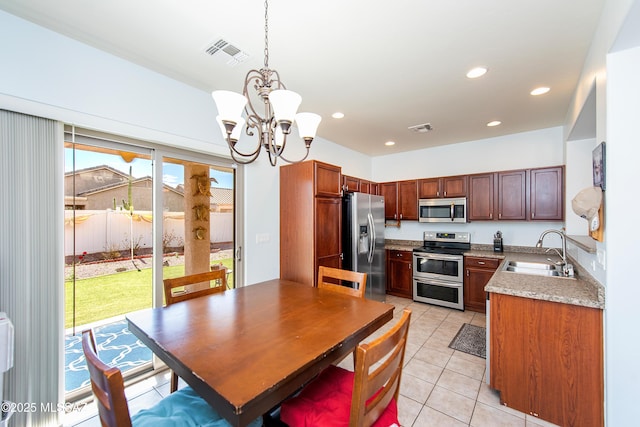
pixel 279 112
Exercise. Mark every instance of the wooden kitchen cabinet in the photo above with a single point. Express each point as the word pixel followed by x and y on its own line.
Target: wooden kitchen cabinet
pixel 365 187
pixel 448 186
pixel 512 195
pixel 498 196
pixel 350 183
pixel 400 199
pixel 310 220
pixel 528 194
pixel 547 194
pixel 547 359
pixel 389 190
pixel 481 197
pixel 400 273
pixel 477 273
pixel 408 199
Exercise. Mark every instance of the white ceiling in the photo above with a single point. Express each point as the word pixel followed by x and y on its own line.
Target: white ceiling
pixel 385 65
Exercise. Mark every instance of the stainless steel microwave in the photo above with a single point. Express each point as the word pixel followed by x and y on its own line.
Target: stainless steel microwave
pixel 443 210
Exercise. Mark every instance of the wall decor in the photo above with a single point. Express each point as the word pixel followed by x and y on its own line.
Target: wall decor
pixel 599 172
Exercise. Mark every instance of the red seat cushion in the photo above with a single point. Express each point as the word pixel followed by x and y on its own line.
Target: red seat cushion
pixel 326 401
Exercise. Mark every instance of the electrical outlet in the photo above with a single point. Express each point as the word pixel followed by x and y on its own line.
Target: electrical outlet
pixel 262 238
pixel 602 257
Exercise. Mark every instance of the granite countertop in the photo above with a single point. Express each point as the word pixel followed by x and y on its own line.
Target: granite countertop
pixel 582 290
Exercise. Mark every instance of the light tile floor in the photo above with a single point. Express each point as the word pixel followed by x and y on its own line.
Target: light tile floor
pixel 440 387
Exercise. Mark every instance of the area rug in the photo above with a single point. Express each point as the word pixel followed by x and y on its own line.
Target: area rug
pixel 471 339
pixel 116 347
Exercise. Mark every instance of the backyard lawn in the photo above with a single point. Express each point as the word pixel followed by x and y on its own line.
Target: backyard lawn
pixel 103 297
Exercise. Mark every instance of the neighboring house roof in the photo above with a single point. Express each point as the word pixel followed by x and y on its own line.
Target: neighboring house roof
pixel 219 196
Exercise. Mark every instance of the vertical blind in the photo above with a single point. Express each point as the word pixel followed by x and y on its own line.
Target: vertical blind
pixel 31 273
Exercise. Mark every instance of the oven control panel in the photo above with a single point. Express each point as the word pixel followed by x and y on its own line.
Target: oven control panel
pixel 439 236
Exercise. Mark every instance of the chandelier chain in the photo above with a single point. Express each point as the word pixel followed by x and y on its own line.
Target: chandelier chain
pixel 266 34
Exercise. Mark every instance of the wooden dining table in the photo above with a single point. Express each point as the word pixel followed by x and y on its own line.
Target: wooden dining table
pixel 247 349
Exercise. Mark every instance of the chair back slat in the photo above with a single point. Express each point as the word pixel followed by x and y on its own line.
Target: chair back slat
pixel 194 286
pixel 384 379
pixel 334 279
pixel 107 386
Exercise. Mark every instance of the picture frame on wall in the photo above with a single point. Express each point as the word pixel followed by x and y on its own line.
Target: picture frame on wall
pixel 599 166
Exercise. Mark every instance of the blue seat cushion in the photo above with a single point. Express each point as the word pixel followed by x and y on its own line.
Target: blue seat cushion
pixel 183 408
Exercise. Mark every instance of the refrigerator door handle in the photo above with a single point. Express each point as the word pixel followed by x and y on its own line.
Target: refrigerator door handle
pixel 372 237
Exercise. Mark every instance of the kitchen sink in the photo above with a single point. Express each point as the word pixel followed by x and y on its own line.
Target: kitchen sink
pixel 535 268
pixel 536 265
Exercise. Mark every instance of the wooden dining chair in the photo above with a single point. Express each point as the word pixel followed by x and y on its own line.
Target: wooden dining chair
pixel 183 408
pixel 193 286
pixel 335 279
pixel 366 397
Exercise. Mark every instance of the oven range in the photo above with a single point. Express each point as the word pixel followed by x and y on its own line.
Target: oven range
pixel 438 268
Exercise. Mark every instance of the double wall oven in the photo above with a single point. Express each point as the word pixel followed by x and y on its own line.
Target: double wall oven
pixel 438 268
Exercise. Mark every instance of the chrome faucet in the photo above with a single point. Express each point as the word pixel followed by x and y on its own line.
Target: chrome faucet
pixel 567 269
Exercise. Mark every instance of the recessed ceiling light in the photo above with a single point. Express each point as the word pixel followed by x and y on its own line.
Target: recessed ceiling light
pixel 389 143
pixel 337 115
pixel 540 91
pixel 476 72
pixel 494 123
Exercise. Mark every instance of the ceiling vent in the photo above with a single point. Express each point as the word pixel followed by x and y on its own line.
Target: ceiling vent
pixel 227 52
pixel 423 128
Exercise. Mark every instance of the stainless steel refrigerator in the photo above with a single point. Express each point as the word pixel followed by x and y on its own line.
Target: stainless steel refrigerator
pixel 363 240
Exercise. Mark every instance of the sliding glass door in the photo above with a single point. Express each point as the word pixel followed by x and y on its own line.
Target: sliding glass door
pixel 135 214
pixel 108 251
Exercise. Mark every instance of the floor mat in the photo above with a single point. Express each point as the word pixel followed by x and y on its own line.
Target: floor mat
pixel 116 347
pixel 471 339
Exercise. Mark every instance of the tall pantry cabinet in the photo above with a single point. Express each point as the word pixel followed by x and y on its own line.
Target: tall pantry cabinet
pixel 310 220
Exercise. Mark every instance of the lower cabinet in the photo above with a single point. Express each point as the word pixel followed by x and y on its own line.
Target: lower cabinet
pixel 477 272
pixel 547 359
pixel 400 273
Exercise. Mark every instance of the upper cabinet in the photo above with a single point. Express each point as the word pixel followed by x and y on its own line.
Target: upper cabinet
pixel 400 199
pixel 448 186
pixel 326 179
pixel 547 194
pixel 531 194
pixel 481 197
pixel 350 183
pixel 389 190
pixel 512 195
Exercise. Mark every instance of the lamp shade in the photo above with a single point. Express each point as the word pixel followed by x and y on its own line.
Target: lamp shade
pixel 285 104
pixel 229 104
pixel 307 124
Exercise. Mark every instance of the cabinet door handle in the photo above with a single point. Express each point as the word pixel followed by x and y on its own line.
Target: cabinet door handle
pixel 445 194
pixel 400 216
pixel 491 215
pixel 409 264
pixel 481 262
pixel 500 216
pixel 467 272
pixel 533 214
